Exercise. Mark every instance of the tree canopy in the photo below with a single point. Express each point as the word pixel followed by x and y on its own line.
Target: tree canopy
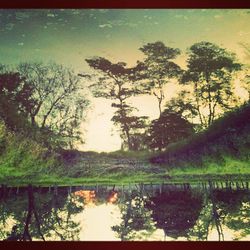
pixel 157 69
pixel 169 128
pixel 115 82
pixel 210 69
pixel 60 100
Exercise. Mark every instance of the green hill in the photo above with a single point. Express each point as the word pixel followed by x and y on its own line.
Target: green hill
pixel 223 147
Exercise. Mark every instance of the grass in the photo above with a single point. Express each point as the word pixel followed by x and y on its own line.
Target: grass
pixel 90 181
pixel 232 169
pixel 229 168
pixel 120 168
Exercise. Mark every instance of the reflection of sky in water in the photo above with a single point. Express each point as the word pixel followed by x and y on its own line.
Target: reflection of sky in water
pixel 96 222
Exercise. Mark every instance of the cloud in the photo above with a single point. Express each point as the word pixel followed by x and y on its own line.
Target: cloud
pixel 181 16
pixel 20 15
pixel 103 10
pixel 106 25
pixel 76 12
pixel 147 17
pixel 9 26
pixel 243 33
pixel 51 15
pixel 111 24
pixel 218 16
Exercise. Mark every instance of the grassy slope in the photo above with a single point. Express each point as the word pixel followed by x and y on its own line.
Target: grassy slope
pixel 224 149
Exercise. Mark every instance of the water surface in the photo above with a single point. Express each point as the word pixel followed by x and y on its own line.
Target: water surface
pixel 205 211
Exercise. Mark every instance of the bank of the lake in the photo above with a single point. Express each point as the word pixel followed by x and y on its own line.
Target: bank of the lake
pixel 222 152
pixel 90 168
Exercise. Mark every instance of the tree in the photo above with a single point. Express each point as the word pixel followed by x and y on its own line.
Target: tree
pixel 60 100
pixel 183 104
pixel 170 127
pixel 210 69
pixel 115 82
pixel 15 100
pixel 157 69
pixel 246 78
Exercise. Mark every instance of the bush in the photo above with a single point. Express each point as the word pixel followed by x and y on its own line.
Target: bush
pixel 22 157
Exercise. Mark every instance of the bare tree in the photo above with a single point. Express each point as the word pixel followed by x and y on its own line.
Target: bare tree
pixel 60 99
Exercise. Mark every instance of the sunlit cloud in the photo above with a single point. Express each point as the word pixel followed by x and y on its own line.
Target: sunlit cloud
pixel 218 16
pixel 106 25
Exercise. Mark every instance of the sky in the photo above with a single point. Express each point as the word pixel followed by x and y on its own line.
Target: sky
pixel 69 36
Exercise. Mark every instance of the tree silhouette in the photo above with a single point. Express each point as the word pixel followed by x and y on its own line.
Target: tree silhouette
pixel 157 69
pixel 184 105
pixel 170 127
pixel 15 100
pixel 176 211
pixel 42 216
pixel 210 69
pixel 115 82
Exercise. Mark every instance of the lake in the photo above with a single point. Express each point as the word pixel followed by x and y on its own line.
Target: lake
pixel 139 212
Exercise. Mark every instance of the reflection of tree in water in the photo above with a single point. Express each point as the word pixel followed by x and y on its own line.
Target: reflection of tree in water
pixel 176 211
pixel 235 207
pixel 44 216
pixel 136 221
pixel 12 209
pixel 223 207
pixel 56 216
pixel 208 218
pixel 179 212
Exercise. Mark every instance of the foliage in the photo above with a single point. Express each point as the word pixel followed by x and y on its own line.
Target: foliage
pixel 183 105
pixel 115 82
pixel 228 135
pixel 169 128
pixel 157 69
pixel 23 158
pixel 15 100
pixel 246 69
pixel 210 69
pixel 60 102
